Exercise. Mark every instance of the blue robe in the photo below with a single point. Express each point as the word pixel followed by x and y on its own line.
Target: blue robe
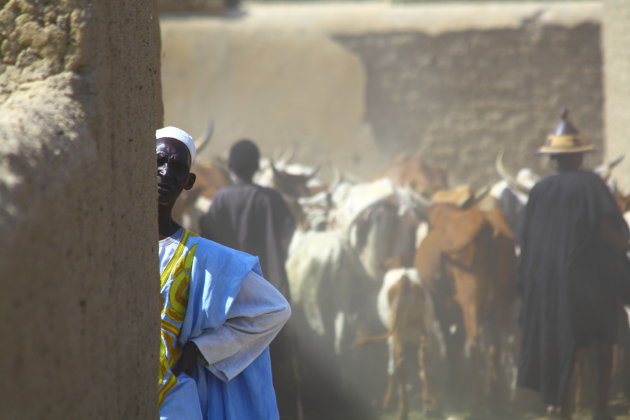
pixel 215 274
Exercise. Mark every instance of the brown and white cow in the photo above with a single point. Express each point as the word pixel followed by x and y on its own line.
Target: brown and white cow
pixel 406 309
pixel 414 172
pixel 468 261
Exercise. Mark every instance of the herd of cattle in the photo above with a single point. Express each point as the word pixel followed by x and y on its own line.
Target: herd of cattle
pixel 427 270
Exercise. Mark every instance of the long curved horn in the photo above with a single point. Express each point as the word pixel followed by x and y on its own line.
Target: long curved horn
pixel 273 168
pixel 503 173
pixel 291 154
pixel 612 165
pixel 205 139
pixel 313 172
pixel 337 178
pixel 605 169
pixel 616 161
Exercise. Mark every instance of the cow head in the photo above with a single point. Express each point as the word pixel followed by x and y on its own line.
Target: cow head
pixel 421 176
pixel 383 224
pixel 293 184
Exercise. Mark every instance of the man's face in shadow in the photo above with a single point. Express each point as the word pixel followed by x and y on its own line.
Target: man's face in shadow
pixel 173 170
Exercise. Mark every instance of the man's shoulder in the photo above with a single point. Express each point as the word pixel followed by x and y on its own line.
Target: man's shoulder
pixel 571 178
pixel 209 250
pixel 245 190
pixel 269 193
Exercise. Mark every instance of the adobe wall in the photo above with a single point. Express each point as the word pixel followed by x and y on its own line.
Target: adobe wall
pixel 616 42
pixel 80 98
pixel 191 6
pixel 354 84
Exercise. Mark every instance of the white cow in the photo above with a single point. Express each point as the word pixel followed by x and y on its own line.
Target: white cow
pixel 333 303
pixel 379 219
pixel 327 282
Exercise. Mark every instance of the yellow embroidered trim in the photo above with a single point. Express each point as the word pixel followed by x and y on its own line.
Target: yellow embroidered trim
pixel 180 268
pixel 174 258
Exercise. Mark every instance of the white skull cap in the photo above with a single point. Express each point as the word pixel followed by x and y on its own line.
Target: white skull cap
pixel 177 134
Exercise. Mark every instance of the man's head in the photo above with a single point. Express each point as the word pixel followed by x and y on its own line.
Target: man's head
pixel 244 159
pixel 567 161
pixel 175 152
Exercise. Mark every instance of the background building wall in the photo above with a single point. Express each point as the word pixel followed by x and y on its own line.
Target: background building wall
pixel 80 99
pixel 355 84
pixel 616 45
pixel 192 6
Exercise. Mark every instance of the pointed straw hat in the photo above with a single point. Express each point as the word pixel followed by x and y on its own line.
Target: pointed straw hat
pixel 565 139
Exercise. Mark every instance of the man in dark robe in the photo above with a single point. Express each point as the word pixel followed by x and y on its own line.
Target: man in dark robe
pixel 256 220
pixel 573 242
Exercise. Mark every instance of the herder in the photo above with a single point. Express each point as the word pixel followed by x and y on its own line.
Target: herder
pixel 573 241
pixel 218 313
pixel 256 220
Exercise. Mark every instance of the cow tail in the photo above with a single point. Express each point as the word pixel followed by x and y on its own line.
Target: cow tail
pixel 366 339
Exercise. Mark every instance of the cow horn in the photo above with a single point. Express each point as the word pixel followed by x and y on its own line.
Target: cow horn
pixel 205 139
pixel 503 173
pixel 616 161
pixel 273 167
pixel 611 165
pixel 337 178
pixel 290 155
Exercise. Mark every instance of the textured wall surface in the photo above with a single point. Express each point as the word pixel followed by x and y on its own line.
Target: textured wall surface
pixel 80 98
pixel 616 45
pixel 191 6
pixel 357 83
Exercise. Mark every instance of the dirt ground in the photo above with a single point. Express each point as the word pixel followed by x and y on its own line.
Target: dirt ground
pixel 619 408
pixel 416 415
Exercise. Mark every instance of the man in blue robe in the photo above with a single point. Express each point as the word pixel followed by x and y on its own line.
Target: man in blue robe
pixel 218 313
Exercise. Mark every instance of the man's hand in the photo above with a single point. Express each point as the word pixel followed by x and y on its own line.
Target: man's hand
pixel 187 360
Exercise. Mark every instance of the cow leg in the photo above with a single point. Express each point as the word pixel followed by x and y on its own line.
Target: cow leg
pixel 387 399
pixel 496 387
pixel 429 404
pixel 400 378
pixel 491 371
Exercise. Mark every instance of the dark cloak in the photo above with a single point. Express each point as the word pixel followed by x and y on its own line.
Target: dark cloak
pixel 255 220
pixel 567 278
